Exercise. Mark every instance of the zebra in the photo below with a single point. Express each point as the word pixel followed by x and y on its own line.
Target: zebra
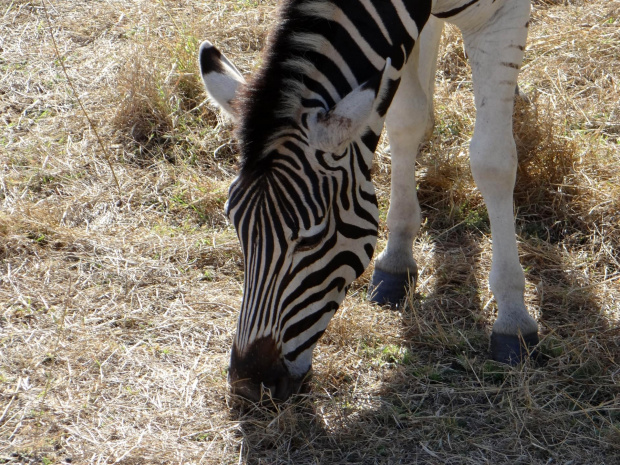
pixel 303 203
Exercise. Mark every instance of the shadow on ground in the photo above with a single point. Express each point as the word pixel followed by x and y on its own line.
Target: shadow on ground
pixel 441 401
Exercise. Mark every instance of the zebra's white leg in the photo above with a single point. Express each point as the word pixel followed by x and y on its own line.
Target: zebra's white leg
pixel 409 124
pixel 496 50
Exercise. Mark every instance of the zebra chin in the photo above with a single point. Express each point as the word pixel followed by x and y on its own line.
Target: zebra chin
pixel 259 374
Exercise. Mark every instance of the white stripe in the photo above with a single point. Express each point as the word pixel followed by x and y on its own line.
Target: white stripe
pixel 372 11
pixel 309 69
pixel 406 19
pixel 327 49
pixel 333 13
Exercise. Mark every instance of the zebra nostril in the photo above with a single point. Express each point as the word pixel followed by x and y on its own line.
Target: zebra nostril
pixel 283 390
pixel 278 390
pixel 267 391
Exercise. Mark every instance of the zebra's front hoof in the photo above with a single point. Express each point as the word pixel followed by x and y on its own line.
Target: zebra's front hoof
pixel 514 350
pixel 389 288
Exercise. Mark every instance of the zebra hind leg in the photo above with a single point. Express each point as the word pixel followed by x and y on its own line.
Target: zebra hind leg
pixel 409 124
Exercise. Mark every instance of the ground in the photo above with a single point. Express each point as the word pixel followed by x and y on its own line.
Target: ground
pixel 120 278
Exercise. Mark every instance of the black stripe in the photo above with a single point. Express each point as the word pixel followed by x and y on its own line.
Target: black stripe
pixel 319 89
pixel 211 60
pixel 369 250
pixel 288 184
pixel 361 162
pixel 312 103
pixel 370 140
pixel 367 27
pixel 326 248
pixel 330 70
pixel 398 32
pixel 282 190
pixel 291 356
pixel 455 11
pixel 309 321
pixel 348 48
pixel 387 98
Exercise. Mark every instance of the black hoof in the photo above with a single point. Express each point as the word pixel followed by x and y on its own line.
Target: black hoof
pixel 514 350
pixel 389 288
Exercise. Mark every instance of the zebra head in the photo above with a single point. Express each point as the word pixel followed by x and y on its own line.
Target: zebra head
pixel 305 212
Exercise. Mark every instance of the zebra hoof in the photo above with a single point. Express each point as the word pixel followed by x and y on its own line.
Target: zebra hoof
pixel 514 350
pixel 389 288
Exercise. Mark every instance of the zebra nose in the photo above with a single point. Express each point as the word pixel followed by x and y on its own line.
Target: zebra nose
pixel 278 387
pixel 259 373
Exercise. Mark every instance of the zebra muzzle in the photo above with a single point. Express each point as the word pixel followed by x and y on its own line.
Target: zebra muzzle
pixel 260 375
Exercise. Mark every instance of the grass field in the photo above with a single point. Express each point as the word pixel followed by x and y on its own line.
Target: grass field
pixel 120 278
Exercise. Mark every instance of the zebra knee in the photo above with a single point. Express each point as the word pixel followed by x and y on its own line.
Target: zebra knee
pixel 493 159
pixel 412 123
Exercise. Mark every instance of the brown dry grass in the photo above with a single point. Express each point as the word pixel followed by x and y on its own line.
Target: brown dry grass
pixel 117 310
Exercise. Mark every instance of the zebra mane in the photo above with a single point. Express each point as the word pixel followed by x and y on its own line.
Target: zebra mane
pixel 270 101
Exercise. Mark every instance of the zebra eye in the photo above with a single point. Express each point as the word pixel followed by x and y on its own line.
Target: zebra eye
pixel 309 242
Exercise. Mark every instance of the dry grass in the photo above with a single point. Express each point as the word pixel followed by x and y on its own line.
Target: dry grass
pixel 117 310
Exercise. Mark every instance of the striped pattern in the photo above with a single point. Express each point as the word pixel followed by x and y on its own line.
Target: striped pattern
pixel 320 52
pixel 307 219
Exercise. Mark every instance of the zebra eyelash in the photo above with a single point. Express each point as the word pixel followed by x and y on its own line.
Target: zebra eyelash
pixel 307 243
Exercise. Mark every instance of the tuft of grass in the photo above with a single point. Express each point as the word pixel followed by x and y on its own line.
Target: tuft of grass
pixel 547 157
pixel 144 114
pixel 186 79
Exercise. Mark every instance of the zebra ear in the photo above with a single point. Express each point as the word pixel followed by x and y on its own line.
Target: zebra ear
pixel 222 79
pixel 329 131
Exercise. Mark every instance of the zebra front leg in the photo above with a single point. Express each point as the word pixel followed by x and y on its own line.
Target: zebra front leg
pixel 409 124
pixel 496 53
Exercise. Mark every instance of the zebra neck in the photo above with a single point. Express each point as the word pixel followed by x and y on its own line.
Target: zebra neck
pixel 320 52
